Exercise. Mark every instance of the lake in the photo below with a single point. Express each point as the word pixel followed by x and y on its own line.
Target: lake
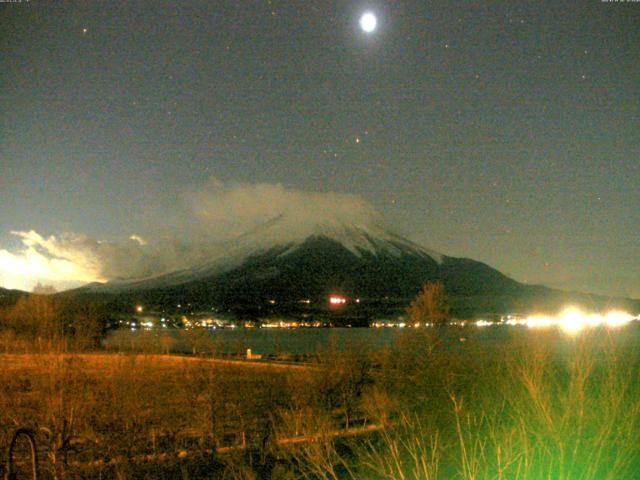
pixel 311 340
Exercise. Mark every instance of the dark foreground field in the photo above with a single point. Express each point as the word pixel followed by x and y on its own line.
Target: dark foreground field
pixel 538 405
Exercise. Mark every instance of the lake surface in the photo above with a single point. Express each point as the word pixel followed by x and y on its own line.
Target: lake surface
pixel 311 340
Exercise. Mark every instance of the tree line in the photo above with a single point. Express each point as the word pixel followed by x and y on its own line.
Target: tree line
pixel 51 322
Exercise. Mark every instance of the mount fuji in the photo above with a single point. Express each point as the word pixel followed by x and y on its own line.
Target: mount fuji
pixel 288 263
pixel 289 260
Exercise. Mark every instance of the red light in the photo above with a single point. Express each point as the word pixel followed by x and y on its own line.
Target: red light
pixel 336 300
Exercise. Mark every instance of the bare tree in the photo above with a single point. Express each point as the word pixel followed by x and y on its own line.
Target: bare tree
pixel 430 305
pixel 36 318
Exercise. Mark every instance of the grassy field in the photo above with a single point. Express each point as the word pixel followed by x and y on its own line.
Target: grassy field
pixel 535 406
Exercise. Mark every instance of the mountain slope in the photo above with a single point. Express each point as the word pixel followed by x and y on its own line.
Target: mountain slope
pixel 280 267
pixel 320 266
pixel 368 263
pixel 281 239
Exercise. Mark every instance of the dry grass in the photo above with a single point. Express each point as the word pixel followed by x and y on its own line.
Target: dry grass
pixel 535 406
pixel 132 406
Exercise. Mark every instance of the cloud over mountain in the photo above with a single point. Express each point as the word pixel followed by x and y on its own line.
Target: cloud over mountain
pixel 204 221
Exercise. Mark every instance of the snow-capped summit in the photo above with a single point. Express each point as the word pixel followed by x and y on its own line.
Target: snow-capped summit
pixel 357 238
pixel 283 235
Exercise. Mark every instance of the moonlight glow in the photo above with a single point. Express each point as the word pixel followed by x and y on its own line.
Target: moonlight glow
pixel 368 22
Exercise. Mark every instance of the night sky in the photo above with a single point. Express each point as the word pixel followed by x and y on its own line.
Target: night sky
pixel 507 132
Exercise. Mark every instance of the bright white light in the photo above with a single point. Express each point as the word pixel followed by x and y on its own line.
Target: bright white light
pixel 368 22
pixel 572 320
pixel 593 320
pixel 617 319
pixel 539 321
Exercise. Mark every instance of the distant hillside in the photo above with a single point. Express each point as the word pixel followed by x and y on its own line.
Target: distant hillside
pixel 9 297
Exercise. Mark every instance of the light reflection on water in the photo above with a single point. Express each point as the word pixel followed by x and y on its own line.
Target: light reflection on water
pixel 360 340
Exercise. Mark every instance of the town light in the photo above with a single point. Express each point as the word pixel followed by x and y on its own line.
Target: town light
pixel 337 300
pixel 571 320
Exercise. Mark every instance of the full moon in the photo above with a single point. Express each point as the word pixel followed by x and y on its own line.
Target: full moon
pixel 368 22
